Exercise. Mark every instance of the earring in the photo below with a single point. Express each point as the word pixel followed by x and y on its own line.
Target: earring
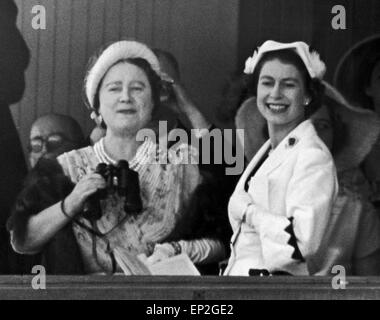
pixel 307 101
pixel 99 120
pixel 96 117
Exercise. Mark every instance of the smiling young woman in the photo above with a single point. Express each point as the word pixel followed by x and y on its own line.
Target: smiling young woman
pixel 122 90
pixel 281 98
pixel 281 205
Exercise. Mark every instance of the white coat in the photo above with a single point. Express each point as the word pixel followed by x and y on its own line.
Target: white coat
pixel 291 194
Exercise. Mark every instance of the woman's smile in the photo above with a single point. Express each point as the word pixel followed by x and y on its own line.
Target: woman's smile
pixel 281 94
pixel 277 108
pixel 127 111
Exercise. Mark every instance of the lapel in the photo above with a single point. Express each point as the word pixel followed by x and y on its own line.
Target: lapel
pixel 286 147
pixel 253 163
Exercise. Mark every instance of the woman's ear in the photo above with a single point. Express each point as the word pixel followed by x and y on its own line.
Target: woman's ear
pixel 307 100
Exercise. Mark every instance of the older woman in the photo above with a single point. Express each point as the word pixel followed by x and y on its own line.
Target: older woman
pixel 122 90
pixel 282 203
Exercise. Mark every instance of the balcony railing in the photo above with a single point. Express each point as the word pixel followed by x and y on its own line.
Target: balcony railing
pixel 189 288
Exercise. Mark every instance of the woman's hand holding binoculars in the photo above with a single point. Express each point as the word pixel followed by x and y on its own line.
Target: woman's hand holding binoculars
pixel 87 186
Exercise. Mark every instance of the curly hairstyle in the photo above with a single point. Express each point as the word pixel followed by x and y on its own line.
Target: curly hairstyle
pixel 153 78
pixel 314 87
pixel 244 86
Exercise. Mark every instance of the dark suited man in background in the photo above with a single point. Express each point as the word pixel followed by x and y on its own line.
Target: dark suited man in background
pixel 14 59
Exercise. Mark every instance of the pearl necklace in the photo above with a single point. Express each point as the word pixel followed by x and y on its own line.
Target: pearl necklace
pixel 102 154
pixel 142 153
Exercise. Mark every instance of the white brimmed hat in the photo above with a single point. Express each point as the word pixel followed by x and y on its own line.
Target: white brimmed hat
pixel 314 65
pixel 117 51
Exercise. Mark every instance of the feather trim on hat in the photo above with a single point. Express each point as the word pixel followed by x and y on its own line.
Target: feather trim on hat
pixel 250 63
pixel 312 61
pixel 317 65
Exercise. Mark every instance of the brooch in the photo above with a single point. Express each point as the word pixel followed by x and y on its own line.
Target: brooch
pixel 292 141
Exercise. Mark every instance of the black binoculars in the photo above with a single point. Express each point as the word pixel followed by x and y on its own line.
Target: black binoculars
pixel 120 179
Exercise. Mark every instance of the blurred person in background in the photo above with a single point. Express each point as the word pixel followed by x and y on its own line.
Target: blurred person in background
pixel 52 135
pixel 14 59
pixel 357 77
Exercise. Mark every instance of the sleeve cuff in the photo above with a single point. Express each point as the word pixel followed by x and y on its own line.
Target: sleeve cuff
pixel 280 228
pixel 297 255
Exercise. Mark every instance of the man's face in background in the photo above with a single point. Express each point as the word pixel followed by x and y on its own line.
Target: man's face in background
pixel 49 138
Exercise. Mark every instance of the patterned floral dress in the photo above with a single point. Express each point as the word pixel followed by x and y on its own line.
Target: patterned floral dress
pixel 166 183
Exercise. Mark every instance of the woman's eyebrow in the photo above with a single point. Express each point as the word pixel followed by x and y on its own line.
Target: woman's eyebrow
pixel 118 83
pixel 266 77
pixel 138 82
pixel 113 83
pixel 290 79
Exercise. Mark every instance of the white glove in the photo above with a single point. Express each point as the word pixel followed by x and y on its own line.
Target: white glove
pixel 161 252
